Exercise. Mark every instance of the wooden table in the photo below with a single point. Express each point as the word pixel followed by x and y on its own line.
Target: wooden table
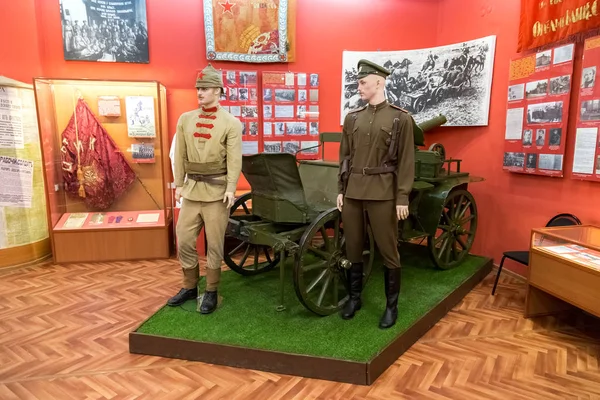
pixel 564 270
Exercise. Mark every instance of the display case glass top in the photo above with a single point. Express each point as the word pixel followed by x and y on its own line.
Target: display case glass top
pixel 578 243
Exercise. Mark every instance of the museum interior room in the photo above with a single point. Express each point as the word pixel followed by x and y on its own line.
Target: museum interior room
pixel 161 239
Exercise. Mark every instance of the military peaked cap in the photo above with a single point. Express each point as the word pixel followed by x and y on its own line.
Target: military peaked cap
pixel 209 77
pixel 366 67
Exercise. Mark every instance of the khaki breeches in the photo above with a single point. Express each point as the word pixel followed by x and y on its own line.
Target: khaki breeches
pixel 214 216
pixel 381 215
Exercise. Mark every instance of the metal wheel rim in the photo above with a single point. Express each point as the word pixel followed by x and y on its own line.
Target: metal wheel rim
pixel 324 275
pixel 257 252
pixel 458 225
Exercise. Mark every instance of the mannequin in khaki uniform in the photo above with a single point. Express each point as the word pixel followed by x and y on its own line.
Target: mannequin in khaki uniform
pixel 208 151
pixel 376 176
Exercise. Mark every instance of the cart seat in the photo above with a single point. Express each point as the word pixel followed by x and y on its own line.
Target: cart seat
pixel 277 191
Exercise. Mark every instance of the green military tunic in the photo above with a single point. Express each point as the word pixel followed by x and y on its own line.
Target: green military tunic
pixel 366 139
pixel 209 141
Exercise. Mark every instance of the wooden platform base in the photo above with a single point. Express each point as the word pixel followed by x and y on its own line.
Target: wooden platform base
pixel 360 373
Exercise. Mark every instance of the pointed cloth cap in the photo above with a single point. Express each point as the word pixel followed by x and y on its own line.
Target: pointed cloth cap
pixel 209 77
pixel 366 67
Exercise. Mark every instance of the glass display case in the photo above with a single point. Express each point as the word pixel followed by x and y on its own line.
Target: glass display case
pixel 107 170
pixel 564 270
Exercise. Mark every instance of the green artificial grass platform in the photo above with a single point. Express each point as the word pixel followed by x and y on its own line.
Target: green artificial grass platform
pixel 248 317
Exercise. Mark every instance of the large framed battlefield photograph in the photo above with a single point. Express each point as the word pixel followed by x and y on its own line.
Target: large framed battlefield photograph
pixel 105 30
pixel 454 80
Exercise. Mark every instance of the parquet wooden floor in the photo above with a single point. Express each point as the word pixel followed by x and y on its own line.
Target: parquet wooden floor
pixel 64 335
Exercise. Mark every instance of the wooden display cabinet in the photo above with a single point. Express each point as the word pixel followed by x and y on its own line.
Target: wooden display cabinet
pixel 135 224
pixel 564 270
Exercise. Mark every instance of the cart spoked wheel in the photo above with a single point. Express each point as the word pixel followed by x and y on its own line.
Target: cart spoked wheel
pixel 320 264
pixel 456 230
pixel 243 257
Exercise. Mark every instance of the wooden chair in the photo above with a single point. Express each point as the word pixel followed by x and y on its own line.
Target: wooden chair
pixel 521 256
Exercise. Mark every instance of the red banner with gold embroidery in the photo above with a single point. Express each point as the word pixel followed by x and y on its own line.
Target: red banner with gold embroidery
pixel 548 21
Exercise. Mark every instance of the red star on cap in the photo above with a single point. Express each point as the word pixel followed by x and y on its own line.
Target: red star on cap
pixel 227 6
pixel 200 75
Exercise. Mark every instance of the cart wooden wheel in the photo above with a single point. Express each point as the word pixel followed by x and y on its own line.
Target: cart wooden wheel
pixel 320 264
pixel 456 230
pixel 243 257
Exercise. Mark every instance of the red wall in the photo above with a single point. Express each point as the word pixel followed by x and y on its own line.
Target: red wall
pixel 509 204
pixel 20 58
pixel 177 48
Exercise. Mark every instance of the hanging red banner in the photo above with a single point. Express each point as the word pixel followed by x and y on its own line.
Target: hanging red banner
pixel 548 21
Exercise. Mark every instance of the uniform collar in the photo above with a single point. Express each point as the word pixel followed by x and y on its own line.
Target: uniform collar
pixel 210 110
pixel 377 107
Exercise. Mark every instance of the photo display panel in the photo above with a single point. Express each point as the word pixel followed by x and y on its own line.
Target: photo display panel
pixel 240 98
pixel 537 113
pixel 586 151
pixel 290 113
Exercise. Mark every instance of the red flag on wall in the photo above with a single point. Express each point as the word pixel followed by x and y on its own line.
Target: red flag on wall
pixel 93 167
pixel 548 21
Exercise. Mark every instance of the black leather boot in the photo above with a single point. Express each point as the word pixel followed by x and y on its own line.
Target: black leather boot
pixel 209 302
pixel 392 289
pixel 183 296
pixel 355 277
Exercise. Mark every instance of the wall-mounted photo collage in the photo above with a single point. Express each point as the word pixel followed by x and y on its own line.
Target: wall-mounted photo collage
pixel 290 103
pixel 586 152
pixel 537 113
pixel 241 100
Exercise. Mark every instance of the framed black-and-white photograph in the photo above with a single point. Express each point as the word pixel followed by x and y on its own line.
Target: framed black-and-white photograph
pixel 536 89
pixel 296 128
pixel 540 137
pixel 454 80
pixel 514 159
pixel 291 146
pixel 588 77
pixel 590 110
pixel 542 113
pixel 560 84
pixel 531 161
pixel 105 30
pixel 543 59
pixel 555 136
pixel 527 137
pixel 273 147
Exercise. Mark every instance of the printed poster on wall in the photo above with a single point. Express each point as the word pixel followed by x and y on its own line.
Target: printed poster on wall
pixel 586 152
pixel 240 98
pixel 17 182
pixel 537 113
pixel 11 119
pixel 291 113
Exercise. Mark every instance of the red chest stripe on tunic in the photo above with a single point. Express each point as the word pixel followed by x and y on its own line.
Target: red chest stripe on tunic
pixel 203 135
pixel 212 109
pixel 201 116
pixel 200 125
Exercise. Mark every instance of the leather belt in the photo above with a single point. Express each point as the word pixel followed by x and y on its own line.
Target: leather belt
pixel 373 170
pixel 209 178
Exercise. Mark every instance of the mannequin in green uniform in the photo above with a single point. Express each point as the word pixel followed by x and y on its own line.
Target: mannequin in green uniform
pixel 208 151
pixel 376 176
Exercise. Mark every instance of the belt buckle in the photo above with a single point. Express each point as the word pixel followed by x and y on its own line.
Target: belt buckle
pixel 364 171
